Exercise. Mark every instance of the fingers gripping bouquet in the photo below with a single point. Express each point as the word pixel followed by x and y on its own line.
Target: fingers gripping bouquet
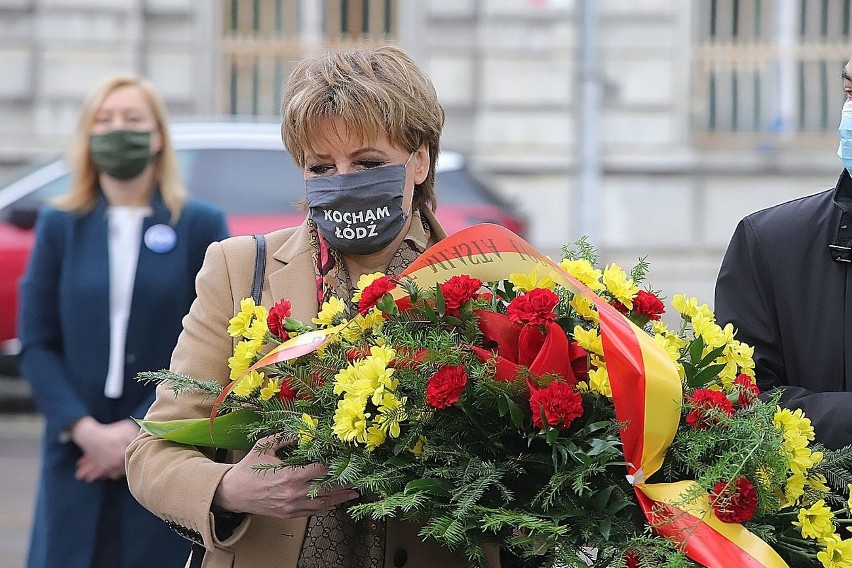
pixel 490 394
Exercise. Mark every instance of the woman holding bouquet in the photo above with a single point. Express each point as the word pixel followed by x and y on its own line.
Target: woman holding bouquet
pixel 364 125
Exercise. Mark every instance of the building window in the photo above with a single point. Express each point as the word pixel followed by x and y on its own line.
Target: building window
pixel 770 65
pixel 262 40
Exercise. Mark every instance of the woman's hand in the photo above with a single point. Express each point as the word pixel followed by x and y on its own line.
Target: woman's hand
pixel 103 447
pixel 282 493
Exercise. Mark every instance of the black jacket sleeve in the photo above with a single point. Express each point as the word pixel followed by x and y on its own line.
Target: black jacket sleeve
pixel 746 297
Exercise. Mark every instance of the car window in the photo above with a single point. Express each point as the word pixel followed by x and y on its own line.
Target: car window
pixel 46 192
pixel 243 181
pixel 459 186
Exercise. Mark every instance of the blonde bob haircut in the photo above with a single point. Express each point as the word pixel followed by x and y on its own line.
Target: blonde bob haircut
pixel 373 91
pixel 85 191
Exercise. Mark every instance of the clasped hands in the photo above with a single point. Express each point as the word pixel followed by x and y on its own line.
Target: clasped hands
pixel 103 447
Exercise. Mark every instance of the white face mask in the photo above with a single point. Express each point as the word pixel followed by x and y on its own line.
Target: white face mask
pixel 844 150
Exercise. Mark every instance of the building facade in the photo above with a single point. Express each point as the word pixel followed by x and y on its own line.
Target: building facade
pixel 652 126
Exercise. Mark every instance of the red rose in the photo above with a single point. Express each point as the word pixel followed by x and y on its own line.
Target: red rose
pixel 747 389
pixel 371 295
pixel 445 386
pixel 734 503
pixel 632 559
pixel 559 402
pixel 706 406
pixel 458 290
pixel 648 305
pixel 275 320
pixel 535 307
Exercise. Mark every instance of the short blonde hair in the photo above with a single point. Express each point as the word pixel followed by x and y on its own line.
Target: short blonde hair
pixel 373 91
pixel 85 192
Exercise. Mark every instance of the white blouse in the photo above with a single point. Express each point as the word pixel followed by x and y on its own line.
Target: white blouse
pixel 125 236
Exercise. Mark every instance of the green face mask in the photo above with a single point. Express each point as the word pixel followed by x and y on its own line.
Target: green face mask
pixel 122 154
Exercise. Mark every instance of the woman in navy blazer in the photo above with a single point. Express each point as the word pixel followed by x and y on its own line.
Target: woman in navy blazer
pixel 110 278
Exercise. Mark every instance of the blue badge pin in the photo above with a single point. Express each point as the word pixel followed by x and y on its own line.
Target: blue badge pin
pixel 160 238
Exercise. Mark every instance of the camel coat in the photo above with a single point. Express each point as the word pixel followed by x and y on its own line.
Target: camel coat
pixel 177 482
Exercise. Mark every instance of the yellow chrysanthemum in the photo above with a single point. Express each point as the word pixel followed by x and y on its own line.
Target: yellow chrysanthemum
pixel 671 348
pixel 239 325
pixel 258 328
pixel 588 339
pixel 620 285
pixel 344 380
pixel 419 446
pixel 582 270
pixel 330 310
pixel 375 437
pixel 375 378
pixel 306 434
pixel 793 421
pixel 350 420
pixel 793 490
pixel 818 482
pixel 815 521
pixel 531 281
pixel 585 309
pixel 599 381
pixel 249 383
pixel 364 281
pixel 272 388
pixel 799 456
pixel 244 353
pixel 837 553
pixel 728 373
pixel 686 307
pixel 708 330
pixel 849 499
pixel 383 353
pixel 391 413
pixel 360 325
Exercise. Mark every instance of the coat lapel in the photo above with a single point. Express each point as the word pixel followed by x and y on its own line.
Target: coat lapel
pixel 291 275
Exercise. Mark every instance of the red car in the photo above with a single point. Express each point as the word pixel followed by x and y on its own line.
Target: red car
pixel 243 168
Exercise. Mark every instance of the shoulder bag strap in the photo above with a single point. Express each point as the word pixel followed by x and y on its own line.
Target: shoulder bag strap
pixel 196 557
pixel 259 268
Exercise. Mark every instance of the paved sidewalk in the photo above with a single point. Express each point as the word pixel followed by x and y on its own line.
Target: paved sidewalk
pixel 20 434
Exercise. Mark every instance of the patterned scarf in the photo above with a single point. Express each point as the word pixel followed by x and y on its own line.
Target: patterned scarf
pixel 333 278
pixel 333 539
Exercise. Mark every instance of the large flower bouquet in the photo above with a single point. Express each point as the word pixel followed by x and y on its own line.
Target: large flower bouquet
pixel 490 394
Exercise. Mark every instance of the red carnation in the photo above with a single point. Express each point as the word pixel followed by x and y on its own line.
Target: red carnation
pixel 535 307
pixel 275 320
pixel 619 307
pixel 458 290
pixel 445 386
pixel 747 389
pixel 706 406
pixel 287 392
pixel 560 403
pixel 734 503
pixel 372 294
pixel 648 305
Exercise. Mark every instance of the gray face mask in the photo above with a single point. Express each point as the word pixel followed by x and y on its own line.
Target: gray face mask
pixel 361 212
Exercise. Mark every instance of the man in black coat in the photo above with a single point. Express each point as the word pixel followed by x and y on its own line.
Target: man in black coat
pixel 786 285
